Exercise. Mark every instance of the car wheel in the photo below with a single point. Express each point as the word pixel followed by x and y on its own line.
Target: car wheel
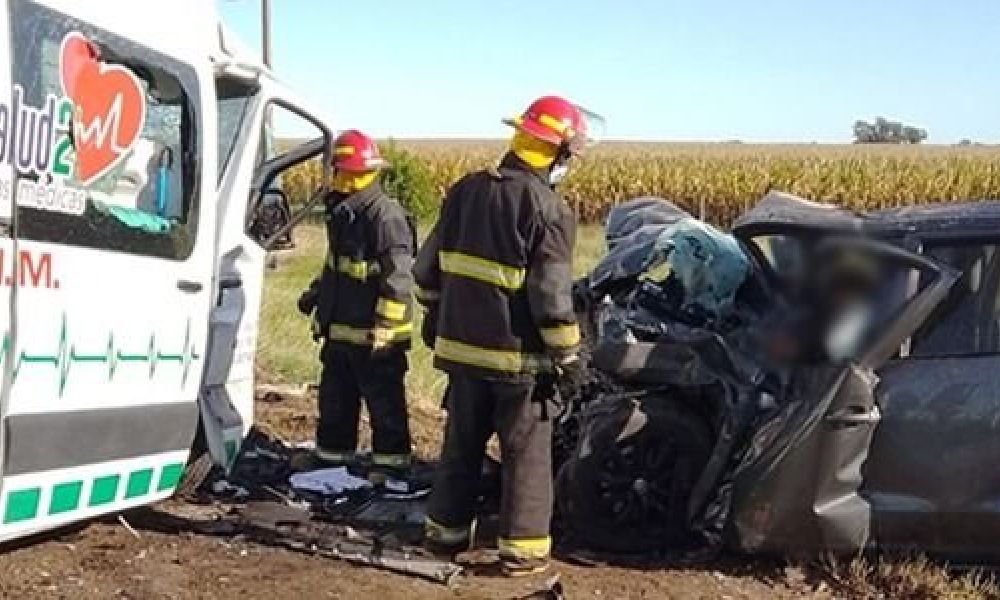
pixel 626 487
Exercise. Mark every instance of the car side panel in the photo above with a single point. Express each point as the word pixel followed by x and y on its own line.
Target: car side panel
pixel 932 475
pixel 800 495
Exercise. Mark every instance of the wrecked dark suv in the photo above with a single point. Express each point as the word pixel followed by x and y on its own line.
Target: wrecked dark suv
pixel 817 381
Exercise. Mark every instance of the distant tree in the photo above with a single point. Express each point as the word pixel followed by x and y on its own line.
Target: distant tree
pixel 864 133
pixel 914 135
pixel 884 131
pixel 965 142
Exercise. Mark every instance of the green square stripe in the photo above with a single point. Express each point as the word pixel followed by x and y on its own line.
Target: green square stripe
pixel 65 497
pixel 138 483
pixel 170 476
pixel 22 505
pixel 104 490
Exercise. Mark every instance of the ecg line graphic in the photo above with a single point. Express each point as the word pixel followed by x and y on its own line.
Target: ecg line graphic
pixel 66 355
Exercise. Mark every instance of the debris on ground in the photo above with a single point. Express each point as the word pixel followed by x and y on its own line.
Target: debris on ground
pixel 553 590
pixel 272 392
pixel 330 512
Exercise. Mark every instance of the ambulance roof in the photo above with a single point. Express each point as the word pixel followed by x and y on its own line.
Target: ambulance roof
pixel 189 30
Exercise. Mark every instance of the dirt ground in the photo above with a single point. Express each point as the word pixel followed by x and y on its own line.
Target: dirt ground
pixel 156 556
pixel 155 553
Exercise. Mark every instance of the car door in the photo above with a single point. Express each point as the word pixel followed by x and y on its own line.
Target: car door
pixel 115 224
pixel 800 487
pixel 931 476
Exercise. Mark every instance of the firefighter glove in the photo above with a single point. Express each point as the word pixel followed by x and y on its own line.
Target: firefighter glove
pixel 309 299
pixel 570 377
pixel 381 337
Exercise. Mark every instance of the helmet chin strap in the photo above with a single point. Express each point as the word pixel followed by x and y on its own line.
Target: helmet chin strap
pixel 557 173
pixel 560 166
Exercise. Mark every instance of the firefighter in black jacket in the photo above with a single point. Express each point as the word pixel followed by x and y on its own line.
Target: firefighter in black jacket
pixel 495 279
pixel 361 307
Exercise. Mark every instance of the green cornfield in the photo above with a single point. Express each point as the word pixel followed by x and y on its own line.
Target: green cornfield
pixel 719 181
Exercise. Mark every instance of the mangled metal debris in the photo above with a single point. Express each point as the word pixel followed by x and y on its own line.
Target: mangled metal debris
pixel 298 530
pixel 327 512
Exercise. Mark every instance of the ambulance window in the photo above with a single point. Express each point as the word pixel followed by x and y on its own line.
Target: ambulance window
pixel 233 101
pixel 109 138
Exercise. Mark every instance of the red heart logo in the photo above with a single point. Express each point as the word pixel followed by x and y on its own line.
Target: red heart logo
pixel 109 107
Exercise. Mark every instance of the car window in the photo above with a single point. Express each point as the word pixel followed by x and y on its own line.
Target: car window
pixel 968 321
pixel 109 138
pixel 784 253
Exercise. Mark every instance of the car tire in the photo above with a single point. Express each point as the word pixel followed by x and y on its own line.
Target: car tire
pixel 626 487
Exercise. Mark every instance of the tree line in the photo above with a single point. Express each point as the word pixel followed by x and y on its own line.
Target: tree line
pixel 884 131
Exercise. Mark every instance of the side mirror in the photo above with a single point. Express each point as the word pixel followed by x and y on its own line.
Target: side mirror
pixel 272 218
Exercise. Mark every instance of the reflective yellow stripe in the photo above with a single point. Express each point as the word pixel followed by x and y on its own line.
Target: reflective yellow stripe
pixel 337 457
pixel 480 269
pixel 344 150
pixel 525 547
pixel 356 269
pixel 561 336
pixel 494 360
pixel 363 336
pixel 556 125
pixel 446 535
pixel 346 333
pixel 426 296
pixel 390 309
pixel 391 460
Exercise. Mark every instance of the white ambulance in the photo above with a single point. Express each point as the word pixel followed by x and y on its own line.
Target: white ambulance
pixel 132 164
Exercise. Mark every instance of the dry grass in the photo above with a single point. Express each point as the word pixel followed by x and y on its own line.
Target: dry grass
pixel 719 181
pixel 904 579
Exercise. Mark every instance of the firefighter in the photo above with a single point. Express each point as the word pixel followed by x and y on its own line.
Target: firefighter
pixel 361 311
pixel 494 278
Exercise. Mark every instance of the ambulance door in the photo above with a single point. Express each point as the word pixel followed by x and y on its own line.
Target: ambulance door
pixel 115 166
pixel 255 165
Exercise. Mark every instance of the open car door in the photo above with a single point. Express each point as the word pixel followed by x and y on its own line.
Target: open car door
pixel 798 487
pixel 254 162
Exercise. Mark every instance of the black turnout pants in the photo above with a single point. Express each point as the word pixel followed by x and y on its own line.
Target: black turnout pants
pixel 352 374
pixel 477 408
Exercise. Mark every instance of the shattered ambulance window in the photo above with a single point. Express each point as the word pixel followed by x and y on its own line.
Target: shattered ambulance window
pixel 107 139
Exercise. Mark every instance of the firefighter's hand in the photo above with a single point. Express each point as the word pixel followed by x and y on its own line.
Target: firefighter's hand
pixel 380 337
pixel 570 377
pixel 308 300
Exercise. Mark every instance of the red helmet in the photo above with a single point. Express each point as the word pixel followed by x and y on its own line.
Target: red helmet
pixel 355 152
pixel 554 120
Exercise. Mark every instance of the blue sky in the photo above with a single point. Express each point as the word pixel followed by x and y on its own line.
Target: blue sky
pixel 756 70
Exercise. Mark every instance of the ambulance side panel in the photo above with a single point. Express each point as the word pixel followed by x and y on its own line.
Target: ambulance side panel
pixel 112 270
pixel 8 247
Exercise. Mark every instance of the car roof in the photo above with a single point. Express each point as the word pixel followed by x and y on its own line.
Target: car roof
pixel 779 212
